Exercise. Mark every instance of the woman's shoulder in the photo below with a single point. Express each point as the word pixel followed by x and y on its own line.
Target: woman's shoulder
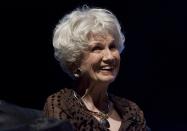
pixel 131 113
pixel 59 103
pixel 128 109
pixel 60 98
pixel 123 102
pixel 59 94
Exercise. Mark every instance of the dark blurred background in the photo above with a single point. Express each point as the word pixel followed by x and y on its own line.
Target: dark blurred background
pixel 153 68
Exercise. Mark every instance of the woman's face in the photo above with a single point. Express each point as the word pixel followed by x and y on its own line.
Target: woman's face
pixel 102 59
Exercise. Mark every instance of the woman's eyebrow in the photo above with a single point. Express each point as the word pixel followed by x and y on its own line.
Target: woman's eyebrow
pixel 94 43
pixel 99 42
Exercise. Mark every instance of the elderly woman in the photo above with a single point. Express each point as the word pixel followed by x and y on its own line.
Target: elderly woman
pixel 88 43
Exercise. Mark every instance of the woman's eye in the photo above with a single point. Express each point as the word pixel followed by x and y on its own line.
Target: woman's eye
pixel 96 48
pixel 113 46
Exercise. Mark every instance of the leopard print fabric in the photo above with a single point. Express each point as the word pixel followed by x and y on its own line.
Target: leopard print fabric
pixel 67 105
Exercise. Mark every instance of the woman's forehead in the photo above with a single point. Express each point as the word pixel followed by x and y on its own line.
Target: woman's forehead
pixel 105 37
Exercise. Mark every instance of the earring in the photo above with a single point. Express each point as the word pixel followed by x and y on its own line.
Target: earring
pixel 77 73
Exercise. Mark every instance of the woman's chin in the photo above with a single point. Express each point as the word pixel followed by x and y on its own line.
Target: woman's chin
pixel 106 79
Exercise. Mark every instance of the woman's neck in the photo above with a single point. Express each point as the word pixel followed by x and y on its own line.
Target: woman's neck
pixel 94 94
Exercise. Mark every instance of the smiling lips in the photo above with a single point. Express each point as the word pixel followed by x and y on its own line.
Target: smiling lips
pixel 107 68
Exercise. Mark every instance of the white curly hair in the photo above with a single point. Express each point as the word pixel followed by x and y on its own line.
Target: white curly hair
pixel 71 34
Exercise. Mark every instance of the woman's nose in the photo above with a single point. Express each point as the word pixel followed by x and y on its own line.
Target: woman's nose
pixel 107 55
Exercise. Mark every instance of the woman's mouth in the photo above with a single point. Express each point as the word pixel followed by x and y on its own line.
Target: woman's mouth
pixel 107 69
